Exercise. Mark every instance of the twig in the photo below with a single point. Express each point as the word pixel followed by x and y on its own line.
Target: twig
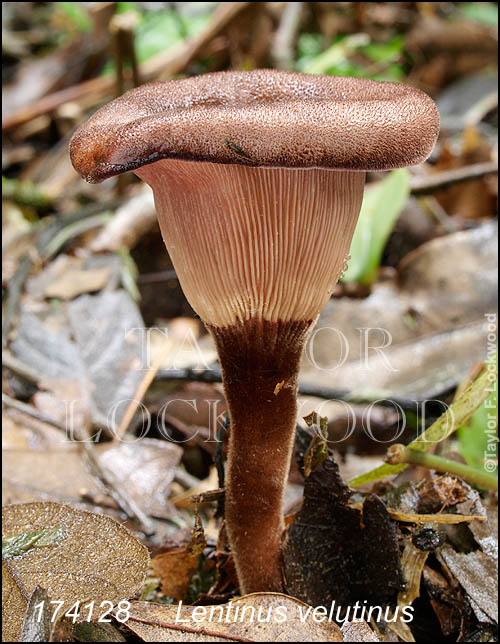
pixel 140 392
pixel 398 454
pixel 431 183
pixel 20 369
pixel 410 517
pixel 122 27
pixel 133 219
pixel 8 401
pixel 158 276
pixel 282 50
pixel 213 375
pixel 14 293
pixel 480 109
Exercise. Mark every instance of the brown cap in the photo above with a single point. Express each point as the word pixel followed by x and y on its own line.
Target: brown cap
pixel 259 118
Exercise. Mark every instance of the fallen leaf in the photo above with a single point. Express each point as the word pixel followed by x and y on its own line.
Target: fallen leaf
pixel 175 568
pixel 485 532
pixel 36 624
pixel 195 495
pixel 145 468
pixel 259 617
pixel 98 341
pixel 430 322
pixel 443 600
pixel 97 632
pixel 67 276
pixel 358 632
pixel 13 606
pixel 317 452
pixel 76 283
pixel 336 552
pixel 477 574
pixel 48 475
pixel 97 559
pixel 441 492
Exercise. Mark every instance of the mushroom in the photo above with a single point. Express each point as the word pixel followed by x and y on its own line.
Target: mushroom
pixel 258 181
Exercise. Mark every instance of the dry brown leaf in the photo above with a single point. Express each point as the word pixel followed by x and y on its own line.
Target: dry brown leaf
pixel 476 573
pixel 13 606
pixel 145 468
pixel 36 626
pixel 175 568
pixel 78 282
pixel 67 277
pixel 290 620
pixel 358 632
pixel 48 475
pixel 14 435
pixel 97 559
pixel 20 431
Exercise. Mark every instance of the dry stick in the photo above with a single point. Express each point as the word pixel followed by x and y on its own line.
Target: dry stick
pixel 8 401
pixel 140 392
pixel 122 30
pixel 283 47
pixel 164 65
pixel 431 183
pixel 213 375
pixel 480 109
pixel 397 454
pixel 20 369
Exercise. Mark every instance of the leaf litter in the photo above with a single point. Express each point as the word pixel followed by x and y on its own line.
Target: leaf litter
pixel 432 300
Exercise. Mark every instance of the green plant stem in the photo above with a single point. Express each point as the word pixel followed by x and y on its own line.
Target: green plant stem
pixel 398 454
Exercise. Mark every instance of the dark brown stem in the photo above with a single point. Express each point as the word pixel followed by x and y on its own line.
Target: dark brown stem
pixel 260 363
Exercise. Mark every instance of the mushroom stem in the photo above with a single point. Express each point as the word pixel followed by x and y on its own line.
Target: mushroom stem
pixel 260 363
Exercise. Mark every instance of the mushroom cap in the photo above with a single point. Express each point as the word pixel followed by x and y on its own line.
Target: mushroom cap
pixel 259 118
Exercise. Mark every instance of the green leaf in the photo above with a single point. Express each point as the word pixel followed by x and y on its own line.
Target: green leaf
pixel 381 59
pixel 19 544
pixel 335 54
pixel 76 12
pixel 478 436
pixel 384 52
pixel 24 193
pixel 382 205
pixel 456 415
pixel 482 12
pixel 159 29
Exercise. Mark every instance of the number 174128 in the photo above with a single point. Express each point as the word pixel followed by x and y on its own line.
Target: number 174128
pixel 85 612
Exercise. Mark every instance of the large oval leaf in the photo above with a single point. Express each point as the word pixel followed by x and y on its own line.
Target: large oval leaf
pixel 94 559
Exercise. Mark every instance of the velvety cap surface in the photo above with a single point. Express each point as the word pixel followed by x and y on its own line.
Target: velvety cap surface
pixel 262 118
